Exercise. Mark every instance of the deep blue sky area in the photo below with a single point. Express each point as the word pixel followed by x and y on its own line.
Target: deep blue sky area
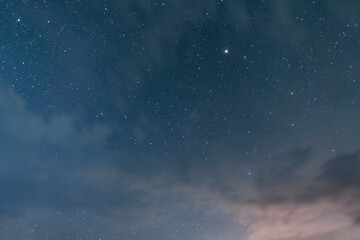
pixel 179 120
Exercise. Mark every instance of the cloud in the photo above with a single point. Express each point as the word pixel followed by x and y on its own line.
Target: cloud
pixel 42 158
pixel 342 172
pixel 280 201
pixel 277 201
pixel 17 122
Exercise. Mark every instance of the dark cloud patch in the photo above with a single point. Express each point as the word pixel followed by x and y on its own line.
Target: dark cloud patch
pixel 342 172
pixel 282 168
pixel 283 182
pixel 357 219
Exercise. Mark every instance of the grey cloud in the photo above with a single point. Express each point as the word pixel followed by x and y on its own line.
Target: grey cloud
pixel 342 172
pixel 24 125
pixel 357 219
pixel 281 168
pixel 282 180
pixel 284 198
pixel 275 182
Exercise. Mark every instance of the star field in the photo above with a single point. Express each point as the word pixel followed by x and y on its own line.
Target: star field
pixel 141 120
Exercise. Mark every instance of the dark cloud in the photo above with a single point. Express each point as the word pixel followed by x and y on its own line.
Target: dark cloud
pixel 342 172
pixel 357 219
pixel 337 180
pixel 283 168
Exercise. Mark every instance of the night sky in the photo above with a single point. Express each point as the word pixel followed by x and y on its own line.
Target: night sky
pixel 179 120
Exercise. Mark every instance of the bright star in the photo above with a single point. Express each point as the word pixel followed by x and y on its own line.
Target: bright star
pixel 226 51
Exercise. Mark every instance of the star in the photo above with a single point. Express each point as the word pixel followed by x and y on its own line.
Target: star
pixel 226 51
